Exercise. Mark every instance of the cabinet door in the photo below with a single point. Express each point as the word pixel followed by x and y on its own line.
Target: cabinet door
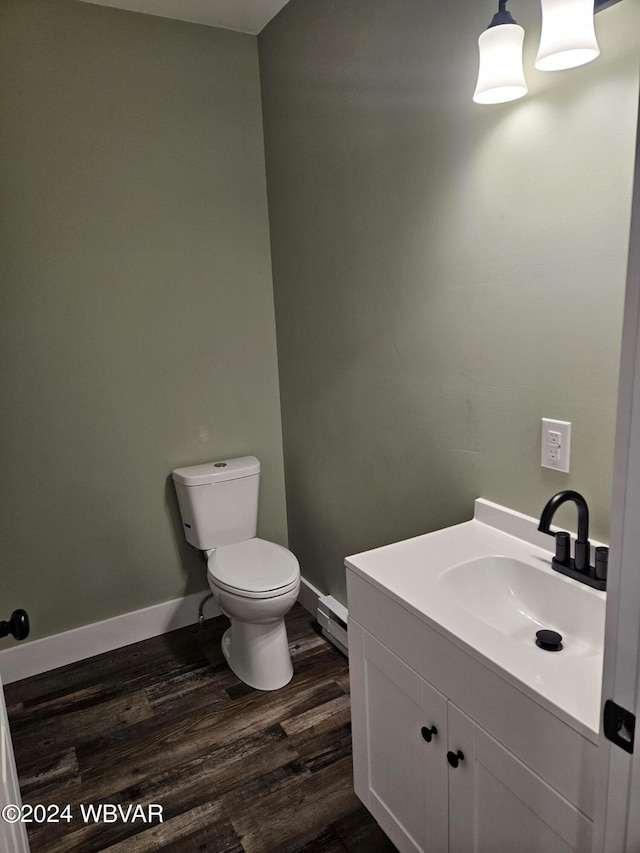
pixel 498 805
pixel 401 776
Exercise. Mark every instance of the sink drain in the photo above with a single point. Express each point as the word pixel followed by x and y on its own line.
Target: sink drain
pixel 550 641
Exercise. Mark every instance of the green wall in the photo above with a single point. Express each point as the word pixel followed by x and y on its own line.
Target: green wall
pixel 445 274
pixel 136 309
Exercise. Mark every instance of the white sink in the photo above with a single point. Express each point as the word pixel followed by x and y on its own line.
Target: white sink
pixel 517 599
pixel 488 586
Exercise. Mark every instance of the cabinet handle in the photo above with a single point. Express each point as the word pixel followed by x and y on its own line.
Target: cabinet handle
pixel 454 758
pixel 427 733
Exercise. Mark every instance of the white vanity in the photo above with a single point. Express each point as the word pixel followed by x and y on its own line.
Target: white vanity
pixel 466 735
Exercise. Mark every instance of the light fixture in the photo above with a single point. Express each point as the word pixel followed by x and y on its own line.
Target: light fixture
pixel 501 73
pixel 568 37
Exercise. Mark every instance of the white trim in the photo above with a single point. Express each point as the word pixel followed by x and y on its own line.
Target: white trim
pixel 309 596
pixel 32 658
pixel 13 836
pixel 617 822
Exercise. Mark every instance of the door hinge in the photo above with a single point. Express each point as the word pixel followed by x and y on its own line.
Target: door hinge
pixel 619 725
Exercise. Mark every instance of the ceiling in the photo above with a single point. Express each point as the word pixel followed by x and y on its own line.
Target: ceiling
pixel 247 16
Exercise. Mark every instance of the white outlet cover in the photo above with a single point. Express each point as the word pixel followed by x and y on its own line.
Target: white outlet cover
pixel 556 453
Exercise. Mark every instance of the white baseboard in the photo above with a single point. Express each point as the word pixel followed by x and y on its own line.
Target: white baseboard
pixel 32 658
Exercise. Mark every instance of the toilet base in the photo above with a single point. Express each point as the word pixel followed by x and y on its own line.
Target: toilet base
pixel 258 653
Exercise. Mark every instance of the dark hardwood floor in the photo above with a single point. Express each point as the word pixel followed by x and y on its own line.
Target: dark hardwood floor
pixel 166 722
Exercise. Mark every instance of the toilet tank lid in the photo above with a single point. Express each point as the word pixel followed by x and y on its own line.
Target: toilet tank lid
pixel 217 472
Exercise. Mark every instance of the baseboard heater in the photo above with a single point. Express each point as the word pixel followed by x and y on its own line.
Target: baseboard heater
pixel 332 617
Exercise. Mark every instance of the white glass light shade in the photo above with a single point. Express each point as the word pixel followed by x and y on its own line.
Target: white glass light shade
pixel 501 75
pixel 568 37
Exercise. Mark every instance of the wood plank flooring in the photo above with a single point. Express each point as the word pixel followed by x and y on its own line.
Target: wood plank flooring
pixel 166 722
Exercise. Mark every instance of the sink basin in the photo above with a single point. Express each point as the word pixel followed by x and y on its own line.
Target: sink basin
pixel 517 599
pixel 488 586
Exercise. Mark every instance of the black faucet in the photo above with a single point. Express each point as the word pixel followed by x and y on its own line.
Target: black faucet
pixel 579 567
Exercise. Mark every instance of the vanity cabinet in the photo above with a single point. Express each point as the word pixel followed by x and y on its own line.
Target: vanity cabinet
pixel 407 728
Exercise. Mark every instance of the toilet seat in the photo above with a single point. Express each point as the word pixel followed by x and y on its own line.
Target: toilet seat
pixel 254 568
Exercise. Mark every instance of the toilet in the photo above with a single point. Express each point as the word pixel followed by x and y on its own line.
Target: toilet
pixel 255 582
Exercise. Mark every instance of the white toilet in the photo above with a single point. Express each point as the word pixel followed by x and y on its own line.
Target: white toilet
pixel 254 582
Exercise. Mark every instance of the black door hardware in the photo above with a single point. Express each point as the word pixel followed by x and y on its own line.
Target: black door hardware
pixel 427 733
pixel 18 625
pixel 619 725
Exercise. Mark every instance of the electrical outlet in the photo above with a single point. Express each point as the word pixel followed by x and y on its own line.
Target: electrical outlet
pixel 554 437
pixel 556 444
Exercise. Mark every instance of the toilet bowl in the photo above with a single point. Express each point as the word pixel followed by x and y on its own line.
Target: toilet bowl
pixel 255 584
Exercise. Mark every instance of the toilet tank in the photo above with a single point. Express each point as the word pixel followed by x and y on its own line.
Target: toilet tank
pixel 219 501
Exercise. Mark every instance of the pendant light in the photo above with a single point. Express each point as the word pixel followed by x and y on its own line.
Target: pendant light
pixel 568 37
pixel 501 73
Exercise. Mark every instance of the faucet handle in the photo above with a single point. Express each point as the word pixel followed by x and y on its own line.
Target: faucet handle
pixel 602 563
pixel 563 548
pixel 582 556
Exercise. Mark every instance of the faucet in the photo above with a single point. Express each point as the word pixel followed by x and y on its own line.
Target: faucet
pixel 579 567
